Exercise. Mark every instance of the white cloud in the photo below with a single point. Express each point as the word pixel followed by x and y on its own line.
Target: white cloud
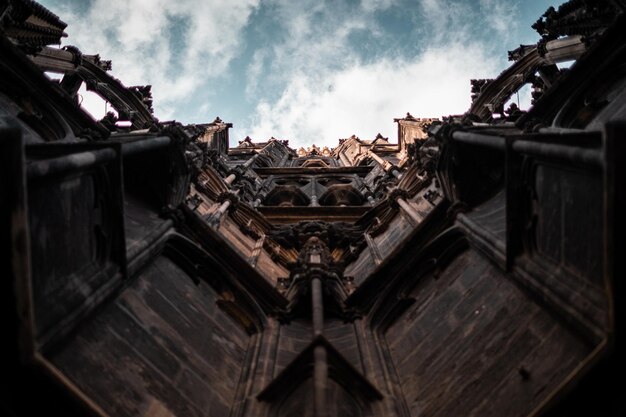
pixel 255 71
pixel 313 78
pixel 372 5
pixel 137 36
pixel 446 21
pixel 366 98
pixel 329 92
pixel 501 16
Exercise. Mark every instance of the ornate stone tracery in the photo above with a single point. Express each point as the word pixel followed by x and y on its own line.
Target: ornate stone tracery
pixel 470 267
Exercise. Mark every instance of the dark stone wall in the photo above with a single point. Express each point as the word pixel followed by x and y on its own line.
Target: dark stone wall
pixel 361 267
pixel 76 237
pixel 482 277
pixel 300 402
pixel 162 347
pixel 293 339
pixel 385 245
pixel 386 242
pixel 343 337
pixel 296 336
pixel 65 259
pixel 473 343
pixel 562 196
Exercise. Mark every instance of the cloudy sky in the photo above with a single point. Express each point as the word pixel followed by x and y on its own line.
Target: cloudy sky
pixel 310 71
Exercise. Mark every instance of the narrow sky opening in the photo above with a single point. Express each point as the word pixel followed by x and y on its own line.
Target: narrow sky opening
pixel 308 72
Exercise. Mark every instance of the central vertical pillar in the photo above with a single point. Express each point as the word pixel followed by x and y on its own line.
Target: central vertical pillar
pixel 320 378
pixel 314 202
pixel 317 304
pixel 320 364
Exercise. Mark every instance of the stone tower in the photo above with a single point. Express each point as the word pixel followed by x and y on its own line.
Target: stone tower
pixel 470 266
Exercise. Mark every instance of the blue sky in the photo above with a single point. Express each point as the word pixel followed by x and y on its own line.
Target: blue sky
pixel 308 71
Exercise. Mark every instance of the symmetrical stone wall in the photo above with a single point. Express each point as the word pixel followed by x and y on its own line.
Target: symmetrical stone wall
pixel 472 267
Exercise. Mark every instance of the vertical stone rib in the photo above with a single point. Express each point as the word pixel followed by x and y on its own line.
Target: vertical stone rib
pixel 320 378
pixel 314 202
pixel 320 365
pixel 256 251
pixel 317 306
pixel 344 159
pixel 373 249
pixel 284 159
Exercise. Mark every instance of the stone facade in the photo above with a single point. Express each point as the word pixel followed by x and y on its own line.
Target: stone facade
pixel 470 267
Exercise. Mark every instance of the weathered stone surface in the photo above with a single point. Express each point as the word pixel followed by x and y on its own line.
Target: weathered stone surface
pixel 163 339
pixel 472 268
pixel 465 344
